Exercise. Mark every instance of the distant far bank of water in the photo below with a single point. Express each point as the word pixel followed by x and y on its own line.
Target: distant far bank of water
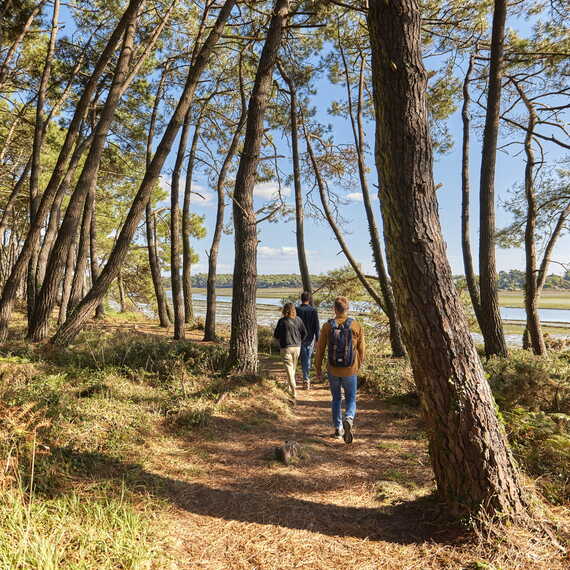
pixel 507 313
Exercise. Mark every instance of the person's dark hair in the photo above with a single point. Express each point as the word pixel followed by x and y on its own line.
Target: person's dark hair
pixel 341 305
pixel 305 297
pixel 289 310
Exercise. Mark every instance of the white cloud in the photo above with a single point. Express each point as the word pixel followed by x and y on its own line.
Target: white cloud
pixel 283 251
pixel 270 190
pixel 355 197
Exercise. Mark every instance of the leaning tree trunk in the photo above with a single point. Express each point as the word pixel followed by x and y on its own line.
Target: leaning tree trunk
pixel 153 259
pixel 100 310
pixel 396 343
pixel 491 324
pixel 67 281
pixel 334 226
pixel 35 170
pixel 73 325
pixel 82 256
pixel 531 292
pixel 472 285
pixel 473 465
pixel 299 211
pixel 14 281
pixel 187 227
pixel 243 339
pixel 82 198
pixel 210 324
pixel 176 234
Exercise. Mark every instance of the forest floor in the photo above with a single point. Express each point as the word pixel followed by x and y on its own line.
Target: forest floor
pixel 218 499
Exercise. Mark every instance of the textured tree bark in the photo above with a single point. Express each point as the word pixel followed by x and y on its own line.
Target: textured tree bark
pixel 473 466
pixel 210 325
pixel 82 255
pixel 299 212
pixel 491 324
pixel 243 339
pixel 67 281
pixel 55 213
pixel 82 198
pixel 73 325
pixel 532 292
pixel 35 171
pixel 164 316
pixel 154 263
pixel 14 281
pixel 176 234
pixel 470 277
pixel 100 310
pixel 187 227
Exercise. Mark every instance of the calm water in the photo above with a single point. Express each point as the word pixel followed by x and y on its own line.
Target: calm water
pixel 507 313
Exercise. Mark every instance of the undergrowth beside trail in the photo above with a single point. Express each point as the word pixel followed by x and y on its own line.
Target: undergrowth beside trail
pixel 75 427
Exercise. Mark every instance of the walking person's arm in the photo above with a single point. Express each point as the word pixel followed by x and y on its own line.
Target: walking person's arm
pixel 317 325
pixel 361 346
pixel 321 346
pixel 302 329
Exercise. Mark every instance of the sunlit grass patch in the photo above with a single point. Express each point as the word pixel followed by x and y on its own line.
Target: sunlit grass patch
pixel 75 531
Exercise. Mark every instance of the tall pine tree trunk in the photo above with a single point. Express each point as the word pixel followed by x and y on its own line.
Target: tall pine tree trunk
pixel 491 324
pixel 35 170
pixel 81 198
pixel 94 265
pixel 243 339
pixel 164 316
pixel 532 291
pixel 14 281
pixel 473 466
pixel 187 227
pixel 210 324
pixel 73 325
pixel 470 277
pixel 299 211
pixel 176 234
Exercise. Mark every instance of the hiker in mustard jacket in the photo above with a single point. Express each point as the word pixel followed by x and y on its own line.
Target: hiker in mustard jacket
pixel 345 340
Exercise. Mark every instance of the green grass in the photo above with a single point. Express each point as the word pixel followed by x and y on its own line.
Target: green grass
pixel 70 532
pixel 549 299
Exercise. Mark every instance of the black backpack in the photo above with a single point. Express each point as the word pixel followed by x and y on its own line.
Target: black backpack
pixel 341 351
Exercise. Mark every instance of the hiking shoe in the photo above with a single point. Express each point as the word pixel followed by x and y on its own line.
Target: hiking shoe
pixel 347 428
pixel 308 385
pixel 338 433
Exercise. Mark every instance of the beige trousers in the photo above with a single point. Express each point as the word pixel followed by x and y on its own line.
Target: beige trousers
pixel 290 357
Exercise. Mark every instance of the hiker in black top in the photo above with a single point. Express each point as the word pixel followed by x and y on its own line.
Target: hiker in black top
pixel 290 331
pixel 310 318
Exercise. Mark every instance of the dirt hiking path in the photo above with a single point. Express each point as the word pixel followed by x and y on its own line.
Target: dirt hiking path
pixel 341 506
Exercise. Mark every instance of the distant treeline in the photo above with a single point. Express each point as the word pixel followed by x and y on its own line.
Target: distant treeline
pixel 507 280
pixel 514 279
pixel 281 280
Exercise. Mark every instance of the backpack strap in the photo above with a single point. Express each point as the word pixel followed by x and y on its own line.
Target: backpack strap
pixel 333 323
pixel 348 323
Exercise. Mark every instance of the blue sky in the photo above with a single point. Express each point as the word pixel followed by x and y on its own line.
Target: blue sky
pixel 277 250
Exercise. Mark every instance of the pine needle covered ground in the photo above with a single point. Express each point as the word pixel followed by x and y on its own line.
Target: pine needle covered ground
pixel 132 451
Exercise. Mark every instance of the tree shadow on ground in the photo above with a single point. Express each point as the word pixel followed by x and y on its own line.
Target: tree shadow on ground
pixel 410 522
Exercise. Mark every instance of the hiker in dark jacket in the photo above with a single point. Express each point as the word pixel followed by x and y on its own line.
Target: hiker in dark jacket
pixel 310 318
pixel 290 331
pixel 345 340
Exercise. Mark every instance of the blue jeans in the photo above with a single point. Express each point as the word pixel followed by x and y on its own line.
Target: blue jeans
pixel 306 355
pixel 349 384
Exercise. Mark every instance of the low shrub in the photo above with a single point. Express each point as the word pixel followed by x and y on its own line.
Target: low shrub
pixel 529 381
